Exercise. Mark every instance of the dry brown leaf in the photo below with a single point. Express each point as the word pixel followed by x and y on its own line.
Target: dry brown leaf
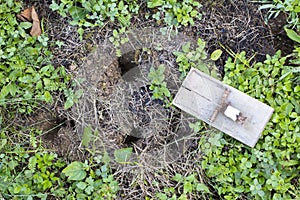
pixel 25 15
pixel 30 15
pixel 36 28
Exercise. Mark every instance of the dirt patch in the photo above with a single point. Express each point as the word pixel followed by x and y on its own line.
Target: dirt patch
pixel 240 26
pixel 280 40
pixel 117 104
pixel 57 132
pixel 65 142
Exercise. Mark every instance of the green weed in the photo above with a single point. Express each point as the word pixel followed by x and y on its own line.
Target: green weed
pixel 290 7
pixel 175 13
pixel 158 85
pixel 27 173
pixel 95 13
pixel 271 169
pixel 119 38
pixel 196 58
pixel 26 73
pixel 90 181
pixel 186 187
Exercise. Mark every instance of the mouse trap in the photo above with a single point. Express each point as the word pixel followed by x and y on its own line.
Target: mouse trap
pixel 223 107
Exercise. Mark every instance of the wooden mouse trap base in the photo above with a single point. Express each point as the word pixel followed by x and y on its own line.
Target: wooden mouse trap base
pixel 223 107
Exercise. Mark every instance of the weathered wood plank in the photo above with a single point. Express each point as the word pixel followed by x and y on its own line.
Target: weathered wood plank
pixel 203 97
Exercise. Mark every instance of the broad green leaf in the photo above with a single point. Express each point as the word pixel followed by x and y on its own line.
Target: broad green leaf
pixel 48 97
pixel 12 164
pixel 69 103
pixel 77 13
pixel 202 188
pixel 4 92
pixel 166 92
pixel 196 3
pixel 74 23
pixel 277 197
pixel 297 89
pixel 80 32
pixel 13 89
pixel 47 82
pixel 123 155
pixel 154 3
pixel 161 69
pixel 89 190
pixel 25 25
pixel 161 196
pixel 261 193
pixel 202 67
pixel 17 189
pixel 32 162
pixel 75 171
pixel 47 184
pixel 186 47
pixel 78 93
pixel 190 178
pixel 289 163
pixel 201 44
pixel 187 187
pixel 88 24
pixel 178 177
pixel 157 76
pixel 292 35
pixel 194 13
pixel 54 6
pixel 87 136
pixel 81 185
pixel 3 143
pixel 29 197
pixel 106 158
pixel 183 197
pixel 111 39
pixel 216 54
pixel 10 3
pixel 214 73
pixel 115 33
pixel 42 196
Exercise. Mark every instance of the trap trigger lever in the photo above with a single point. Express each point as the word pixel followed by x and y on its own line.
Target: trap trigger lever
pixel 220 106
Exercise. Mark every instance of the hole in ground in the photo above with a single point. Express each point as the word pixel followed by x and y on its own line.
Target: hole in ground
pixel 130 140
pixel 128 61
